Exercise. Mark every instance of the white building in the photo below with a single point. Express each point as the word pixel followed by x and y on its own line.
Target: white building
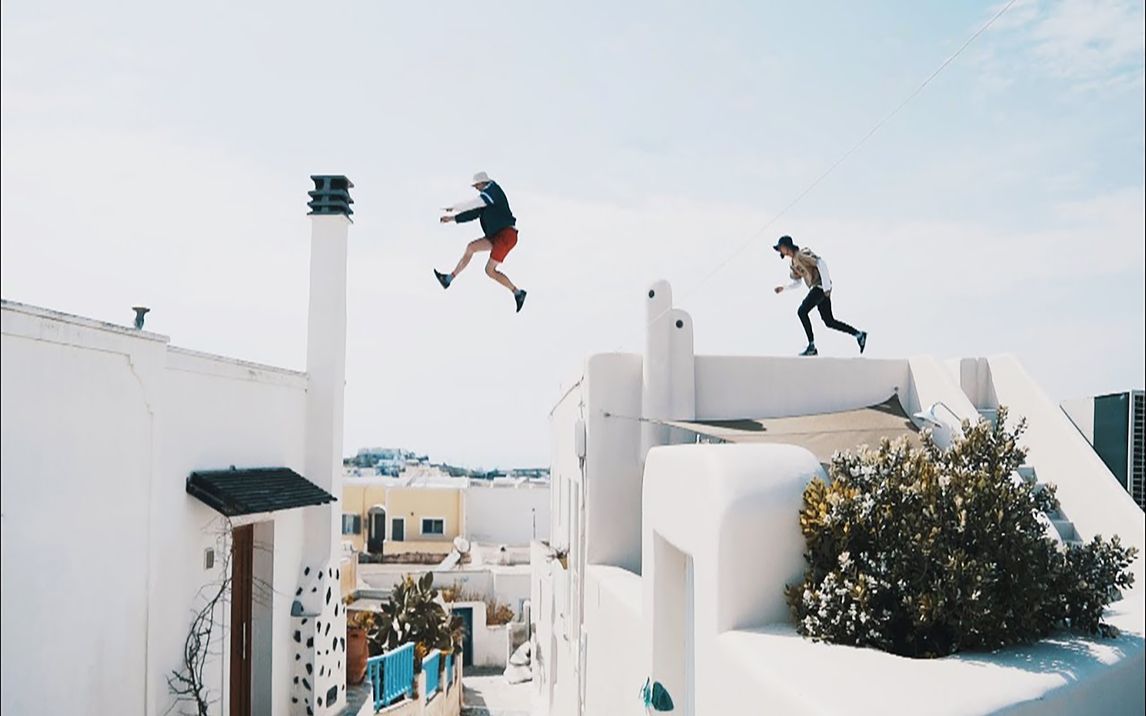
pixel 507 510
pixel 106 562
pixel 668 561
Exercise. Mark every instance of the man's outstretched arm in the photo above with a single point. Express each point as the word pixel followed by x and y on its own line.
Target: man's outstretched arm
pixel 468 210
pixel 789 286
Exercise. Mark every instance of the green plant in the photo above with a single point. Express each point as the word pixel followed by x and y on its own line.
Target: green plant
pixel 415 613
pixel 932 551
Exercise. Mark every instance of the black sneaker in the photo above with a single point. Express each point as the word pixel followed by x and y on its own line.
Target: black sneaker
pixel 861 338
pixel 519 298
pixel 810 350
pixel 443 278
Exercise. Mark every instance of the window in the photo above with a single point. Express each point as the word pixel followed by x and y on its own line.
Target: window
pixel 351 524
pixel 433 526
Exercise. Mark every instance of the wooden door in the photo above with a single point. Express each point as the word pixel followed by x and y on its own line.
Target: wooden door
pixel 242 558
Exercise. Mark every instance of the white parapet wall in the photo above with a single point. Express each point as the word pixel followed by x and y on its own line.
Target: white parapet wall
pixel 509 514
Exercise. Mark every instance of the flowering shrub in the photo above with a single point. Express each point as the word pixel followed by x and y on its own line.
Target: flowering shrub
pixel 932 551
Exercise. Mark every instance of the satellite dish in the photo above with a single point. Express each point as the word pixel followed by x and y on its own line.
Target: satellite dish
pixel 461 544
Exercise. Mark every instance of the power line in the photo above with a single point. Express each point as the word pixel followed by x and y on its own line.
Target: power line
pixel 844 157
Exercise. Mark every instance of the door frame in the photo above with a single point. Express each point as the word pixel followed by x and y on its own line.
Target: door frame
pixel 376 537
pixel 467 616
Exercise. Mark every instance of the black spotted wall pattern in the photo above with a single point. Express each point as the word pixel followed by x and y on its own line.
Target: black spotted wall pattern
pixel 318 636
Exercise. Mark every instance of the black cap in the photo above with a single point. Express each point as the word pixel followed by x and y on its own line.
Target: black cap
pixel 785 241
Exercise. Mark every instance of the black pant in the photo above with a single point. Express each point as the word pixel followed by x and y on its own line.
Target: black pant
pixel 817 299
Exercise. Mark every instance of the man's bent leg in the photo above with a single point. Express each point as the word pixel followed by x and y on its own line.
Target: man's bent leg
pixel 491 271
pixel 814 296
pixel 473 247
pixel 830 321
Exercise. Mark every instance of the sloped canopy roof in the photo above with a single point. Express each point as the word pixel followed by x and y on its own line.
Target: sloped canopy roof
pixel 822 434
pixel 251 491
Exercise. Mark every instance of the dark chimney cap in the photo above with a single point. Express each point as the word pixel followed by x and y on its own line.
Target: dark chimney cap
pixel 331 195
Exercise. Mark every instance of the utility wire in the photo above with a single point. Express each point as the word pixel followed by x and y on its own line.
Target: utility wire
pixel 844 157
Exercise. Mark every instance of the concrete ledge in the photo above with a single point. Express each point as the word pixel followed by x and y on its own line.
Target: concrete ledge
pixel 222 366
pixel 1065 674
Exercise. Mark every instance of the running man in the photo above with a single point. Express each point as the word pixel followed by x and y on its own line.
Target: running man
pixel 499 227
pixel 813 271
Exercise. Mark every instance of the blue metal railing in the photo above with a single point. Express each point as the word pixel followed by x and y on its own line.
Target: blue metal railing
pixel 449 671
pixel 431 665
pixel 391 675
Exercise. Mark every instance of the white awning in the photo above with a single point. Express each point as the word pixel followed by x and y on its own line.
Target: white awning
pixel 823 434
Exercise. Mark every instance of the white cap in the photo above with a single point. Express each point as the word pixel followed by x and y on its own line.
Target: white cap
pixel 481 178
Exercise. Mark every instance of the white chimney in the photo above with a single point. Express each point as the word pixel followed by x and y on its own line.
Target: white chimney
pixel 668 382
pixel 316 611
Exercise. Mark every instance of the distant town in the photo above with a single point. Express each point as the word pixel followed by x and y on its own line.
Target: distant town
pixel 392 462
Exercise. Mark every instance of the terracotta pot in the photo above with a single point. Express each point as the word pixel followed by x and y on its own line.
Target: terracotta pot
pixel 357 650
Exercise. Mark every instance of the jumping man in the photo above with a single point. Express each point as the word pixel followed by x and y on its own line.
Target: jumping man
pixel 498 225
pixel 813 271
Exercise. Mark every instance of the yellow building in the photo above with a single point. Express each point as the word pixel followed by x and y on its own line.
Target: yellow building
pixel 388 515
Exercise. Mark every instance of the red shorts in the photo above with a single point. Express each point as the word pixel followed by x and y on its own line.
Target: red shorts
pixel 503 241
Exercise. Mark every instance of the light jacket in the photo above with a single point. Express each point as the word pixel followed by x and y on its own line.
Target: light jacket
pixel 811 270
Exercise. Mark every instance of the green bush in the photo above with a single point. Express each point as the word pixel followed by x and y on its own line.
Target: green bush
pixel 926 552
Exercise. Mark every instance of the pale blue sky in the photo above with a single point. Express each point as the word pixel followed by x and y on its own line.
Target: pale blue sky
pixel 157 153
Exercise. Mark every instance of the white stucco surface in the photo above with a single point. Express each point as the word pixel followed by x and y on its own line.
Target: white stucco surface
pixel 490 643
pixel 115 534
pixel 506 514
pixel 261 425
pixel 615 643
pixel 1081 413
pixel 742 544
pixel 508 584
pixel 78 427
pixel 708 536
pixel 1063 675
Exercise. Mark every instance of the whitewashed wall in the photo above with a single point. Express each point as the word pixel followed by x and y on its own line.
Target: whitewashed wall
pixel 490 643
pixel 79 415
pixel 508 585
pixel 616 646
pixel 217 413
pixel 101 426
pixel 721 511
pixel 505 514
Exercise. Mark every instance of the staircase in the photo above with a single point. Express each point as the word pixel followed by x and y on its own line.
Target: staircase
pixel 1058 526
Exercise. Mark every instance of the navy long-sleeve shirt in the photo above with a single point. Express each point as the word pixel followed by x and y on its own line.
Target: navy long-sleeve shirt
pixel 491 207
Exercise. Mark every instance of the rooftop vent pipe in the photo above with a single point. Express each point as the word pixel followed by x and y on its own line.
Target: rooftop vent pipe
pixel 140 312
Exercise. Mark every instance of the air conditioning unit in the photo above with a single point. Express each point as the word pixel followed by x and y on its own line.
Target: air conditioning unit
pixel 1114 425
